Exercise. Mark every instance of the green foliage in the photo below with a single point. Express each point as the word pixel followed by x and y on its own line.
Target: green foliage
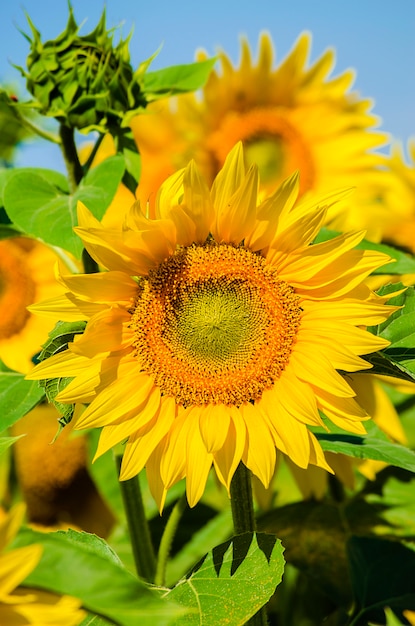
pixel 177 79
pixel 396 506
pixel 225 582
pixel 78 564
pixel 382 575
pixel 17 396
pixel 398 359
pixel 11 130
pixel 39 203
pixel 216 529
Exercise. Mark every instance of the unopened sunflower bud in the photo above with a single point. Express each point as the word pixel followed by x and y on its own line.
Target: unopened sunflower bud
pixel 85 82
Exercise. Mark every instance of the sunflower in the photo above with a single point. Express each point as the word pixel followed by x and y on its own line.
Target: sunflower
pixel 217 333
pixel 26 276
pixel 294 116
pixel 399 229
pixel 22 606
pixel 53 479
pixel 385 205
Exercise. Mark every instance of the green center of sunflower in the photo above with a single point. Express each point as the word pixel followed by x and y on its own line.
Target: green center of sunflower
pixel 271 140
pixel 218 324
pixel 214 324
pixel 268 154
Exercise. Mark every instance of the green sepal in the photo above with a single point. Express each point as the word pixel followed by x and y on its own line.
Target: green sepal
pixel 62 334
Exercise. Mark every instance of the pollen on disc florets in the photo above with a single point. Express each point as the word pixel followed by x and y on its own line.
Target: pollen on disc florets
pixel 214 324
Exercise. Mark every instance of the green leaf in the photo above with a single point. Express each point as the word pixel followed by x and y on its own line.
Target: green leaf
pixel 177 79
pixel 38 201
pixel 397 506
pixel 217 529
pixel 402 264
pixel 7 231
pixel 366 447
pixel 55 178
pixel 82 569
pixel 225 585
pixel 374 445
pixel 17 397
pixel 399 330
pixel 391 619
pixel 92 543
pixel 100 184
pixel 383 574
pixel 385 365
pixel 95 620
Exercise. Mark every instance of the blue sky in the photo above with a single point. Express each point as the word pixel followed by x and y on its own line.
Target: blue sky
pixel 375 37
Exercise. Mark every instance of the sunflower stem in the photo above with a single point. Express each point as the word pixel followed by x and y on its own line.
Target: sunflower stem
pixel 142 547
pixel 243 515
pixel 71 158
pixel 242 503
pixel 167 540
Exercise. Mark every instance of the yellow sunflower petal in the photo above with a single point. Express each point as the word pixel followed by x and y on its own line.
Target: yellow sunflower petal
pixel 227 459
pixel 207 350
pixel 260 453
pixel 141 445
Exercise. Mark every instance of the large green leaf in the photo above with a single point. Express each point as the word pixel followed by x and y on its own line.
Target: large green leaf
pixel 177 79
pixel 232 582
pixel 217 529
pixel 17 396
pixel 77 564
pixel 383 574
pixel 366 447
pixel 38 201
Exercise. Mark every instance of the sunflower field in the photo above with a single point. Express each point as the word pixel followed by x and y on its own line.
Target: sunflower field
pixel 207 346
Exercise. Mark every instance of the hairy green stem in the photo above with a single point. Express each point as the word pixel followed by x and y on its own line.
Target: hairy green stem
pixel 70 155
pixel 142 547
pixel 243 515
pixel 33 128
pixel 242 502
pixel 167 540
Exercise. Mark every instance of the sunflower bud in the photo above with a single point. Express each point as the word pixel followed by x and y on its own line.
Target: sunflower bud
pixel 84 82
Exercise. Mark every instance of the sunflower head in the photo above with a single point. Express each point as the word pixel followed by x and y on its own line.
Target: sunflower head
pixel 218 331
pixel 294 115
pixel 85 82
